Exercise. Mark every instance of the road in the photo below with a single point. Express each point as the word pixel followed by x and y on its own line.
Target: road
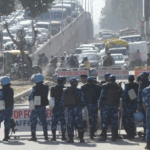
pixel 23 143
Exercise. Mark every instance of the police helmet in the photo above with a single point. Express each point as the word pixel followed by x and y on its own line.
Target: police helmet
pixel 138 77
pixel 5 80
pixel 131 77
pixel 112 78
pixel 73 80
pixel 90 79
pixel 145 73
pixel 60 79
pixel 38 78
pixel 138 116
pixel 107 74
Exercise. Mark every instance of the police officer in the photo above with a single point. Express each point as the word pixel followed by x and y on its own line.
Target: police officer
pixel 7 94
pixel 146 104
pixel 83 78
pixel 129 107
pixel 91 94
pixel 138 79
pixel 109 101
pixel 106 76
pixel 142 85
pixel 58 111
pixel 39 90
pixel 73 100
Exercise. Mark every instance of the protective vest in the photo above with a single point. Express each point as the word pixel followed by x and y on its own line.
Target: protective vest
pixel 42 90
pixel 112 95
pixel 135 87
pixel 144 84
pixel 57 92
pixel 8 96
pixel 91 93
pixel 71 97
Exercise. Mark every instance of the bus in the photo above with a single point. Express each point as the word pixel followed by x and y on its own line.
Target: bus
pixel 132 38
pixel 67 6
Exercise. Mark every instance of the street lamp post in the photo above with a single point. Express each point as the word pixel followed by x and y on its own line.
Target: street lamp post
pixel 62 14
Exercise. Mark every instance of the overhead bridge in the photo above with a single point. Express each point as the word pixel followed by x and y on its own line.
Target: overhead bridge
pixel 79 30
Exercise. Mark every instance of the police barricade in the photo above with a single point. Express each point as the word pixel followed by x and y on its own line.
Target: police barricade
pixel 72 72
pixel 139 70
pixel 120 74
pixel 21 116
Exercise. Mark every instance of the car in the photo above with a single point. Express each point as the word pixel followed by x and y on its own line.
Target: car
pixel 6 39
pixel 87 46
pixel 79 50
pixel 100 46
pixel 43 32
pixel 92 57
pixel 119 60
pixel 90 51
pixel 9 44
pixel 40 39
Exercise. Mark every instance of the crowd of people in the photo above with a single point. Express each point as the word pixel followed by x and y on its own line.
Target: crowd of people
pixel 104 96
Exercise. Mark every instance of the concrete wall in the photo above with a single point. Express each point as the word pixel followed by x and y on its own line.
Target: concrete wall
pixel 79 30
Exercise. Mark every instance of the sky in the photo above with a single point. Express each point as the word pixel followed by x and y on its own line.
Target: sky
pixel 97 7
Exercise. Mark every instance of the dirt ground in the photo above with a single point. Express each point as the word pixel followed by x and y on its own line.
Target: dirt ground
pixel 20 86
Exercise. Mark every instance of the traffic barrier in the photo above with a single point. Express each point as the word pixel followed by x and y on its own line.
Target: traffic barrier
pixel 120 74
pixel 72 72
pixel 140 69
pixel 21 115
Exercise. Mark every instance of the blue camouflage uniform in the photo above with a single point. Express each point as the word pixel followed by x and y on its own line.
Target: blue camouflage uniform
pixel 2 112
pixel 58 114
pixel 108 112
pixel 129 109
pixel 146 101
pixel 139 99
pixel 75 114
pixel 39 112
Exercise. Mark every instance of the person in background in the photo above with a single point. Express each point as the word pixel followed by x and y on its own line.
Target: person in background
pixel 108 60
pixel 148 59
pixel 86 63
pixel 138 58
pixel 83 78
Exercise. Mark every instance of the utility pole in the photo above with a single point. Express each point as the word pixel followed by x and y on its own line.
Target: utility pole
pixel 146 15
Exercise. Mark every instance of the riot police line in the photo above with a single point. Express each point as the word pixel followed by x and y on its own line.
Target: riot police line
pixel 92 95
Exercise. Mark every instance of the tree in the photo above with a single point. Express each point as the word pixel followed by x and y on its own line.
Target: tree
pixel 35 7
pixel 119 14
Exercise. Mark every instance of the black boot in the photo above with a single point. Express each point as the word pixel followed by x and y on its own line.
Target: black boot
pixel 63 137
pixel 45 135
pixel 70 139
pixel 54 135
pixel 92 130
pixel 33 138
pixel 103 137
pixel 6 138
pixel 127 129
pixel 81 137
pixel 143 138
pixel 148 145
pixel 114 134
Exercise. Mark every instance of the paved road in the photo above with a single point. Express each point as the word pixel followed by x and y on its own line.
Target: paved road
pixel 23 143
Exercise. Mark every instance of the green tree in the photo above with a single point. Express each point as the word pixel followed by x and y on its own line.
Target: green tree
pixel 35 7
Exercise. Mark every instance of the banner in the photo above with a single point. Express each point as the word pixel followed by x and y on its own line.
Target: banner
pixel 139 70
pixel 120 74
pixel 22 119
pixel 72 73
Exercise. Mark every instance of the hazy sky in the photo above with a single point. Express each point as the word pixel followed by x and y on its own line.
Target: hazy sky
pixel 97 7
